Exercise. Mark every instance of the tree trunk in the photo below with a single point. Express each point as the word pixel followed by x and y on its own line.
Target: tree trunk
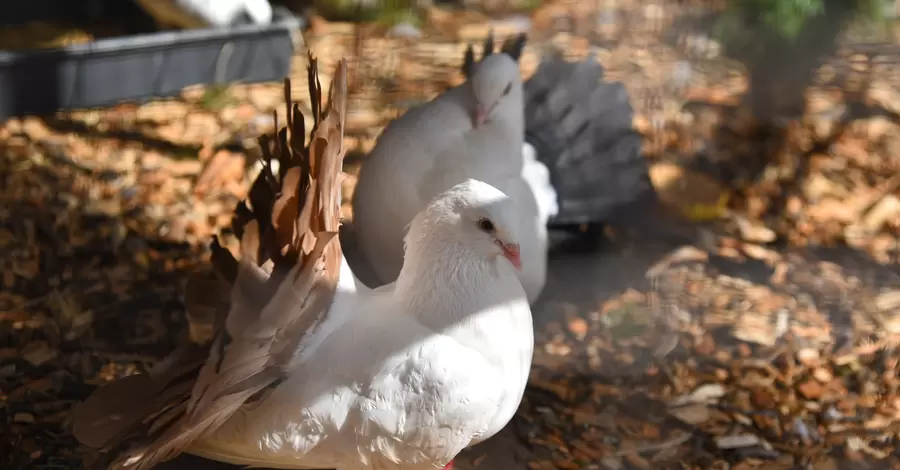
pixel 781 73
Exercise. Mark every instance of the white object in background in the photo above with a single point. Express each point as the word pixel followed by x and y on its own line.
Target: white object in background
pixel 191 14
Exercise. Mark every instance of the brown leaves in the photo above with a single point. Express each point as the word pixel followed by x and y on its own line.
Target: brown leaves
pixel 752 375
pixel 224 169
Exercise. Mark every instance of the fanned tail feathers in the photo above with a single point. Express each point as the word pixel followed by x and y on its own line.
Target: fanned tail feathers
pixel 260 306
pixel 581 129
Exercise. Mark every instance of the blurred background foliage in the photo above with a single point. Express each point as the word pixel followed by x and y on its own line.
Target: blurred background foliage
pixel 786 19
pixel 780 43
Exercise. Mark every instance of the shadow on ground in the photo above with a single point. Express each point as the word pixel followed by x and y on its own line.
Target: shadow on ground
pixel 87 287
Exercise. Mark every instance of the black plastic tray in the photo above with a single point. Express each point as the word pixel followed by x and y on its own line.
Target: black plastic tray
pixel 141 67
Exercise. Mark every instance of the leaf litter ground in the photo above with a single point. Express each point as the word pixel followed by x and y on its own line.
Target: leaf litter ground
pixel 733 344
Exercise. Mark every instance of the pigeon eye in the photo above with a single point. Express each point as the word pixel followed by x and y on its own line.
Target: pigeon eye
pixel 486 225
pixel 507 89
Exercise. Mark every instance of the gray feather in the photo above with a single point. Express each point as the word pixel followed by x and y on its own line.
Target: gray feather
pixel 581 128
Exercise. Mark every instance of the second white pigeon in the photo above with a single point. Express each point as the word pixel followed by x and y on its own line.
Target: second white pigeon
pixel 561 146
pixel 472 131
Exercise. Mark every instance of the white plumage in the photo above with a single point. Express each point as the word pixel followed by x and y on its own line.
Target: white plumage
pixel 537 176
pixel 407 375
pixel 441 143
pixel 561 145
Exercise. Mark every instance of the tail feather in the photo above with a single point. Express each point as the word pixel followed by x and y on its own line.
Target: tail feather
pixel 581 129
pixel 279 289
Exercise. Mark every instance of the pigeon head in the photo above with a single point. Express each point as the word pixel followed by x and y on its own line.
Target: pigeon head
pixel 473 215
pixel 497 87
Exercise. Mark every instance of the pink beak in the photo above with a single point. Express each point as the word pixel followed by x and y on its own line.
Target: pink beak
pixel 511 252
pixel 481 115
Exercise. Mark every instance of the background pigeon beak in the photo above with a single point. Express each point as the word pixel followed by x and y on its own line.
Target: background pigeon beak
pixel 511 252
pixel 480 115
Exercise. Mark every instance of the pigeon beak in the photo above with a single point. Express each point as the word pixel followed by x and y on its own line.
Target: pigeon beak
pixel 511 252
pixel 481 115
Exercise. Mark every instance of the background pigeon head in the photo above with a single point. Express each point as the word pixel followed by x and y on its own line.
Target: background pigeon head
pixel 497 88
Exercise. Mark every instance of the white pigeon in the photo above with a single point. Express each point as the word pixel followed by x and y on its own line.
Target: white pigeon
pixel 411 374
pixel 309 371
pixel 472 131
pixel 561 157
pixel 190 14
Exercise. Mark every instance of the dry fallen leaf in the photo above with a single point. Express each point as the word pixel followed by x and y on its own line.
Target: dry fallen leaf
pixel 754 232
pixel 683 254
pixel 696 195
pixel 888 301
